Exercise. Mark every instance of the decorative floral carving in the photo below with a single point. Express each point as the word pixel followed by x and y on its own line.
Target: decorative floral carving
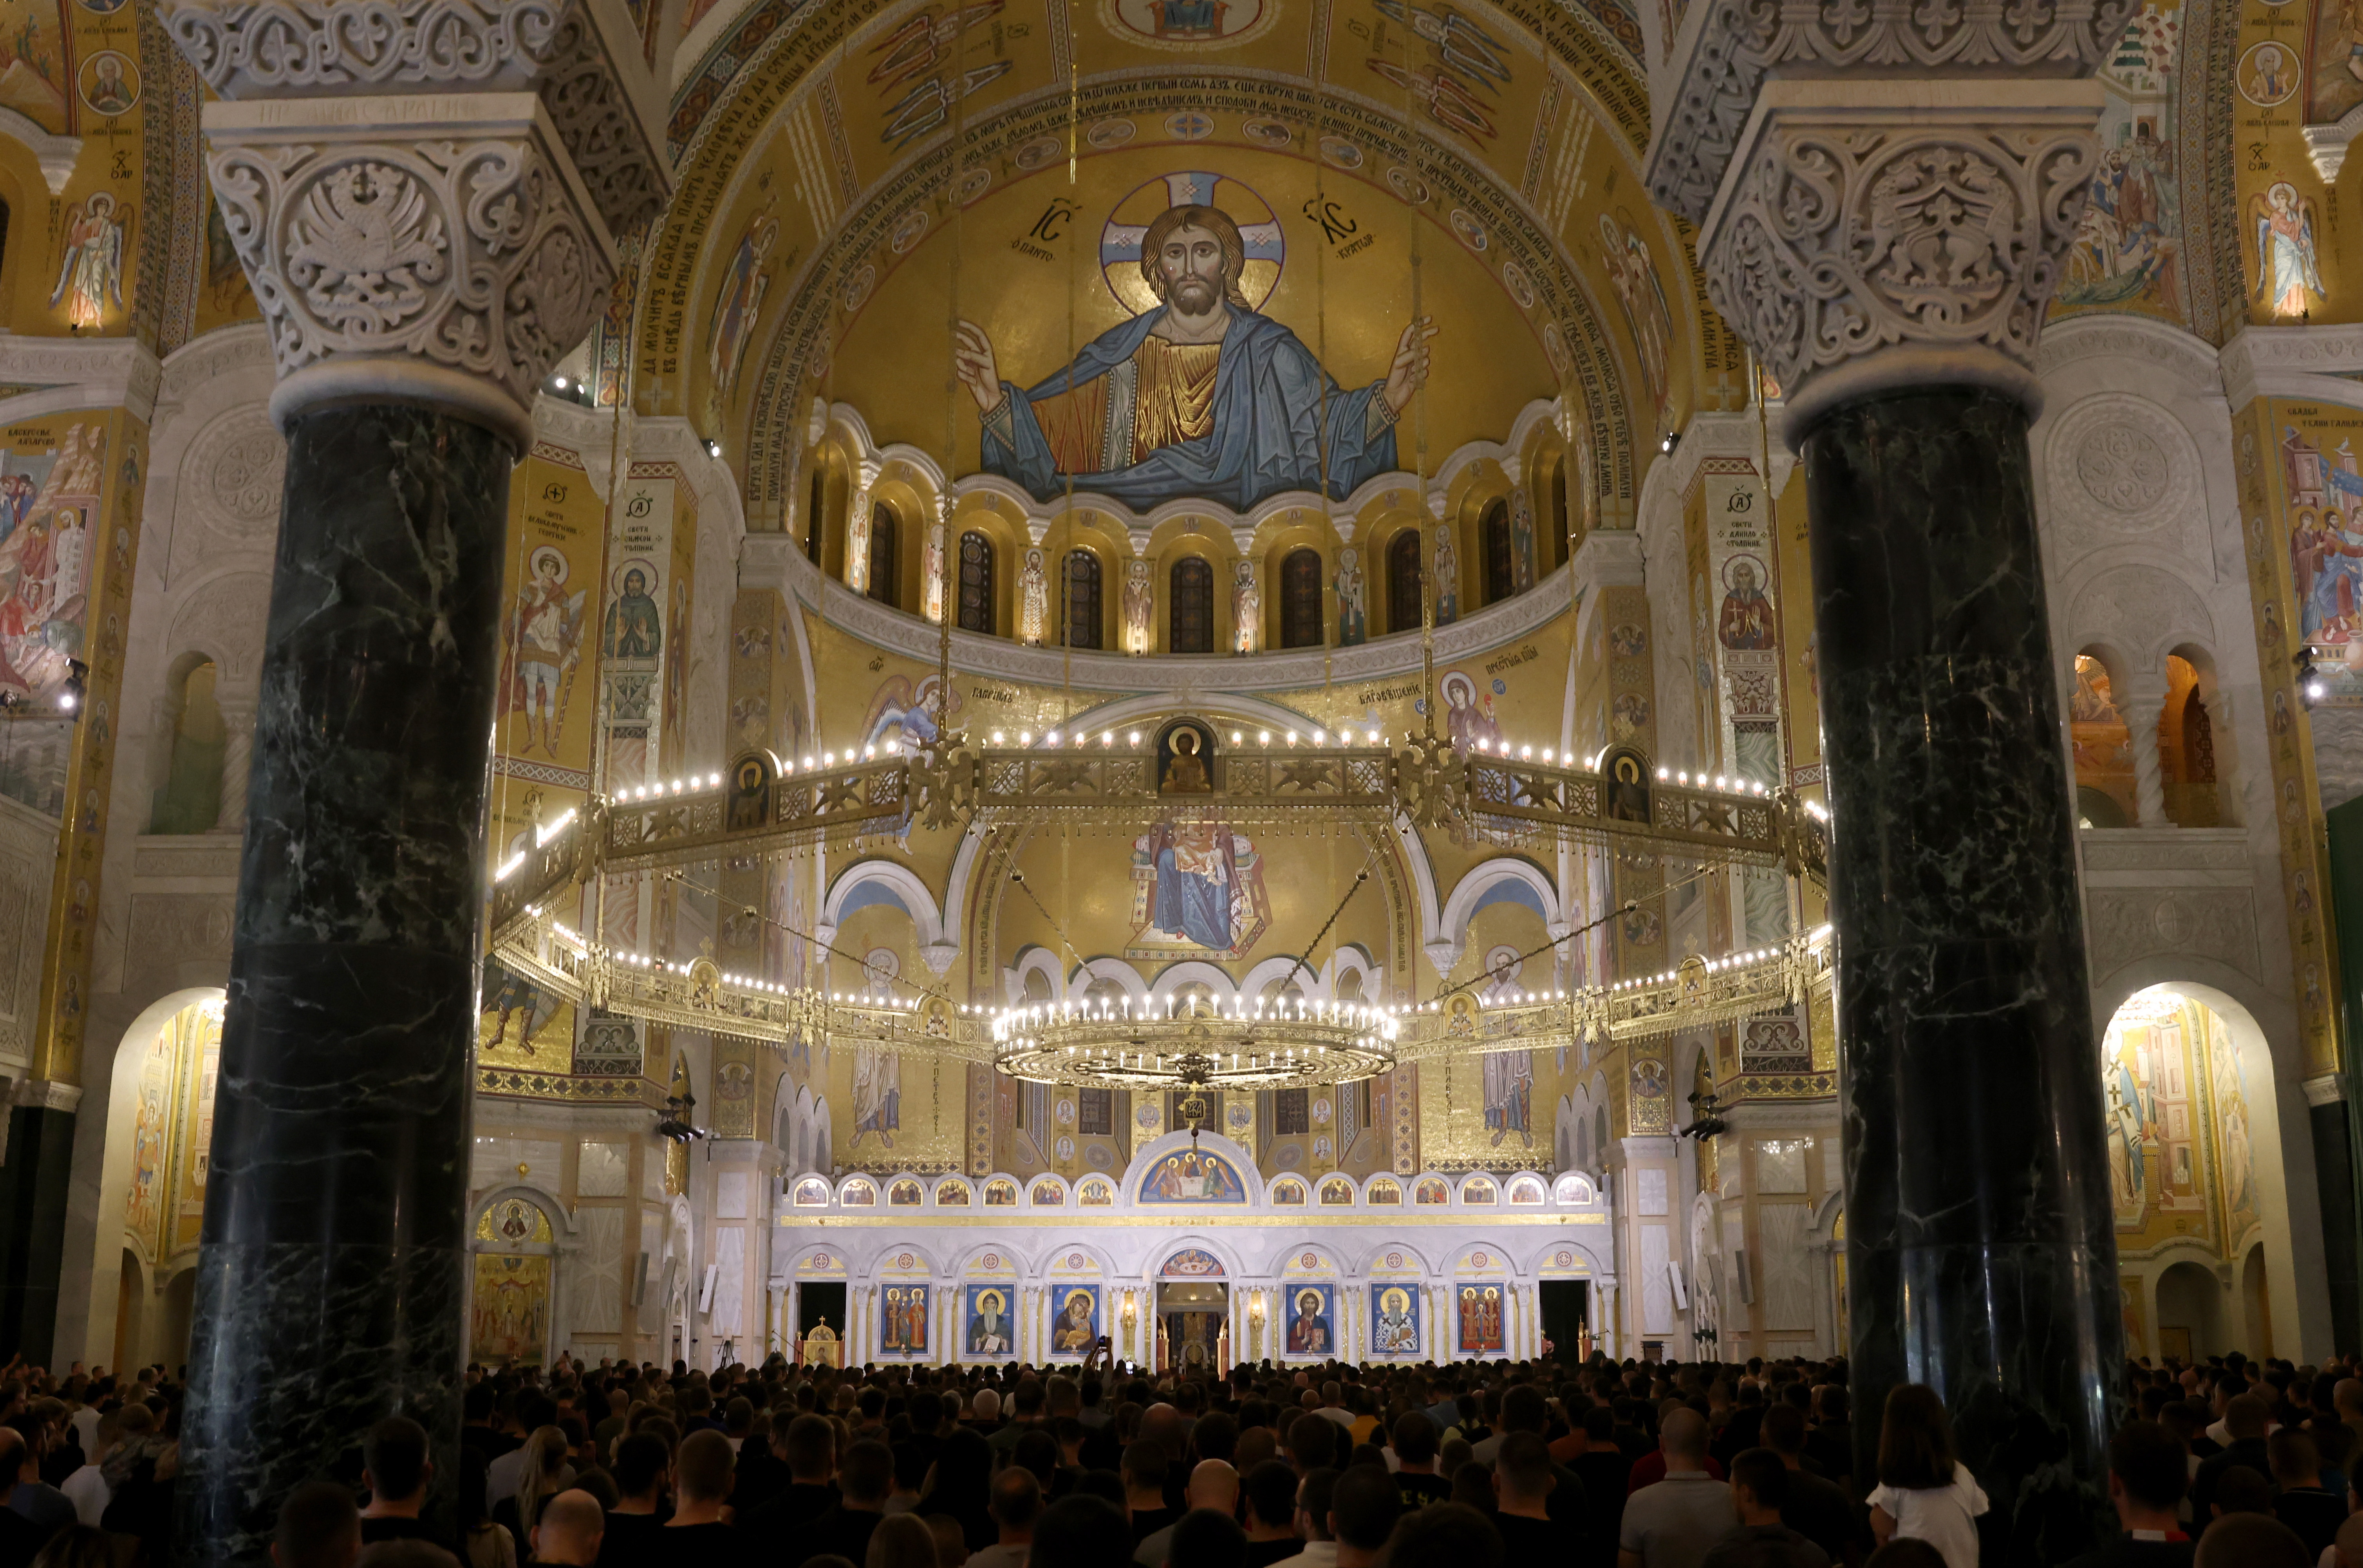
pixel 2121 468
pixel 1841 239
pixel 1738 42
pixel 472 254
pixel 305 47
pixel 240 465
pixel 2118 465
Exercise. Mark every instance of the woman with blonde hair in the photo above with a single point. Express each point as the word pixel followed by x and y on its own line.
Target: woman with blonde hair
pixel 544 1474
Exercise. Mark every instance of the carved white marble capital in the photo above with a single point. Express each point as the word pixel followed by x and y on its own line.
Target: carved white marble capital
pixel 581 58
pixel 425 193
pixel 437 249
pixel 1871 235
pixel 1728 51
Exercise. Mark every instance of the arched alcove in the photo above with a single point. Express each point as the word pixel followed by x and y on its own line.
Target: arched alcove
pixel 2189 1312
pixel 2193 1142
pixel 188 797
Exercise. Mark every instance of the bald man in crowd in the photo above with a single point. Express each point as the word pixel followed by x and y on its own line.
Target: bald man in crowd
pixel 1673 1523
pixel 572 1525
pixel 1212 1484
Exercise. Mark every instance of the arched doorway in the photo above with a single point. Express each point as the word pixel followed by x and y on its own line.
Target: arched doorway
pixel 2190 1313
pixel 2195 1175
pixel 152 1185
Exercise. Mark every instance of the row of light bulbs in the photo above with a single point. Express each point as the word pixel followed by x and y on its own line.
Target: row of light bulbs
pixel 1814 938
pixel 1354 1014
pixel 1728 785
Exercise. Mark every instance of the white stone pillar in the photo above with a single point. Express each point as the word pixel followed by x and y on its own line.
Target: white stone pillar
pixel 237 760
pixel 2144 702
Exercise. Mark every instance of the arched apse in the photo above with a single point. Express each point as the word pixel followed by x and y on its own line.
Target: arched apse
pixel 140 1141
pixel 2197 1166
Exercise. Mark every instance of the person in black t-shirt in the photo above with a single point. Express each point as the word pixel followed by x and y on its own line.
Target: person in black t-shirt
pixel 1814 1507
pixel 318 1527
pixel 807 1446
pixel 696 1536
pixel 2149 1473
pixel 1416 1477
pixel 1759 1484
pixel 1144 1488
pixel 643 1475
pixel 2304 1504
pixel 1522 1489
pixel 395 1469
pixel 1270 1513
pixel 1453 1535
pixel 862 1481
pixel 762 1469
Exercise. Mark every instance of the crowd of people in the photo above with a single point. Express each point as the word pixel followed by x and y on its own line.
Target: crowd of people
pixel 1469 1465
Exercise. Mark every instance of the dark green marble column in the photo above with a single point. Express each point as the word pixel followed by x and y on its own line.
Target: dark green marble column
pixel 1980 1253
pixel 331 1282
pixel 33 1181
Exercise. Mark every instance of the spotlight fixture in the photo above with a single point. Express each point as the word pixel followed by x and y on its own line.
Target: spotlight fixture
pixel 1667 442
pixel 70 696
pixel 2311 687
pixel 1707 1116
pixel 675 1124
pixel 712 449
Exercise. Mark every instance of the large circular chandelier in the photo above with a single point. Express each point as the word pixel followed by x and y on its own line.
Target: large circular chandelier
pixel 1195 1043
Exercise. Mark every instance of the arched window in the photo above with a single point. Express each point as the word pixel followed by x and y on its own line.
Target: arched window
pixel 1402 582
pixel 1191 598
pixel 816 515
pixel 1501 567
pixel 189 799
pixel 1300 598
pixel 884 537
pixel 1082 599
pixel 976 584
pixel 2186 749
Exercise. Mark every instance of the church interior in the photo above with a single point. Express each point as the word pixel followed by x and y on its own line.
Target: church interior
pixel 921 682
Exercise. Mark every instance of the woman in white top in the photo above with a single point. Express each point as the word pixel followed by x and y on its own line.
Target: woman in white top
pixel 1923 1493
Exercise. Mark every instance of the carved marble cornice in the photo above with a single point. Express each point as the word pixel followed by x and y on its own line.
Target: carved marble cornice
pixel 429 247
pixel 78 372
pixel 1887 233
pixel 2295 362
pixel 580 58
pixel 1728 49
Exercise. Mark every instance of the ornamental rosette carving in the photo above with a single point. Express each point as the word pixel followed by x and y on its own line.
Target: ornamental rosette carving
pixel 474 254
pixel 1840 240
pixel 1732 46
pixel 554 48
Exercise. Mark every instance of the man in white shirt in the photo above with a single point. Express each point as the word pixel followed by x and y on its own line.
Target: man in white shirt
pixel 1313 1494
pixel 1333 1405
pixel 1015 1503
pixel 86 1488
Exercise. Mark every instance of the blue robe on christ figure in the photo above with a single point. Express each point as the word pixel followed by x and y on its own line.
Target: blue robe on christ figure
pixel 1268 425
